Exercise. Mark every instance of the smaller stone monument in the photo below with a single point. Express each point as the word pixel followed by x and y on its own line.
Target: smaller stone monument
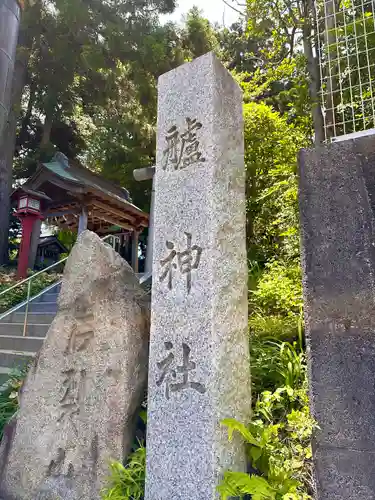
pixel 81 398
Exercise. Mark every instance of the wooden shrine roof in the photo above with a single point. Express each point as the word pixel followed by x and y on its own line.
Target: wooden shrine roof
pixel 71 186
pixel 46 241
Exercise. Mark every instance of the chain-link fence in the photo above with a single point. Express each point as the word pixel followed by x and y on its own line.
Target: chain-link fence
pixel 346 48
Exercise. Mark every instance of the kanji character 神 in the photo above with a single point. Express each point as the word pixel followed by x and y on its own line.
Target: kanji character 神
pixel 187 261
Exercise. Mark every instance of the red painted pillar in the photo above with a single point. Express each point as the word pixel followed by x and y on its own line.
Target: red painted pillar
pixel 28 222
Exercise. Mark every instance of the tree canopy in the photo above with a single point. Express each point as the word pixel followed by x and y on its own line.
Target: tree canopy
pixel 85 83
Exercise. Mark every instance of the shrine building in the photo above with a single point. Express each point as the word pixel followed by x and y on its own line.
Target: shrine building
pixel 67 195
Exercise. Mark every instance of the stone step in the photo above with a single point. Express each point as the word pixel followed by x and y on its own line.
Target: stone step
pixel 47 307
pixel 15 359
pixel 16 329
pixel 33 318
pixel 17 343
pixel 47 297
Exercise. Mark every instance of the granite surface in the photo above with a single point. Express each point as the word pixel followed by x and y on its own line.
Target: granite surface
pixel 199 360
pixel 81 398
pixel 337 202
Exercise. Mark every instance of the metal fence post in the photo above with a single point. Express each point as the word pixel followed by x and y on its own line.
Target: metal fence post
pixel 27 308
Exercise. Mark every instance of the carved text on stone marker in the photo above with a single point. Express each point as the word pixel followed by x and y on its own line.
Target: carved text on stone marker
pixel 73 393
pixel 57 466
pixel 73 386
pixel 187 260
pixel 82 332
pixel 182 149
pixel 169 372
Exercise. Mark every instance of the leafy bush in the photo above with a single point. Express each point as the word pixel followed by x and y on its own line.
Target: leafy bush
pixel 279 290
pixel 278 437
pixel 271 149
pixel 127 482
pixel 274 326
pixel 275 364
pixel 278 445
pixel 9 397
pixel 19 293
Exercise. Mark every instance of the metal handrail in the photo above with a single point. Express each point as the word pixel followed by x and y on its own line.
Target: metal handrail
pixel 33 276
pixel 30 278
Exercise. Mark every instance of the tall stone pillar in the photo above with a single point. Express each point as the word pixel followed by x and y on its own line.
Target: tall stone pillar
pixel 199 370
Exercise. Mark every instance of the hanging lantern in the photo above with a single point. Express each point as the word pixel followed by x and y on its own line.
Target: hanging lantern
pixel 30 206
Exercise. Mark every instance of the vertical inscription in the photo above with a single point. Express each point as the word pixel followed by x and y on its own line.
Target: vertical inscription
pixel 59 466
pixel 73 386
pixel 82 332
pixel 73 392
pixel 182 148
pixel 169 372
pixel 185 262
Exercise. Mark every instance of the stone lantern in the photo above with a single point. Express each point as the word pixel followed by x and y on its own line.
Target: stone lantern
pixel 30 206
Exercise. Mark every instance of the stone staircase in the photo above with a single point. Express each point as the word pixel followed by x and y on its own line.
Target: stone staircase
pixel 16 351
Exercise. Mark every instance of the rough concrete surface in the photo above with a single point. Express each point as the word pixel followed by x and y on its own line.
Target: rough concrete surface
pixel 337 201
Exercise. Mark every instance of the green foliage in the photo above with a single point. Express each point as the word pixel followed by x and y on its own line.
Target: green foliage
pixel 75 54
pixel 275 364
pixel 278 437
pixel 67 238
pixel 279 434
pixel 287 63
pixel 9 397
pixel 19 293
pixel 274 326
pixel 199 36
pixel 127 482
pixel 271 148
pixel 240 51
pixel 239 483
pixel 279 290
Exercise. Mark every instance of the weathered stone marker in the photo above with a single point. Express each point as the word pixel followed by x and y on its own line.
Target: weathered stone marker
pixel 80 399
pixel 199 369
pixel 337 203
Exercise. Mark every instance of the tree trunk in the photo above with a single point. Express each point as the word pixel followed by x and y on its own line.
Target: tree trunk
pixel 22 135
pixel 8 140
pixel 314 87
pixel 330 36
pixel 5 187
pixel 47 127
pixel 314 74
